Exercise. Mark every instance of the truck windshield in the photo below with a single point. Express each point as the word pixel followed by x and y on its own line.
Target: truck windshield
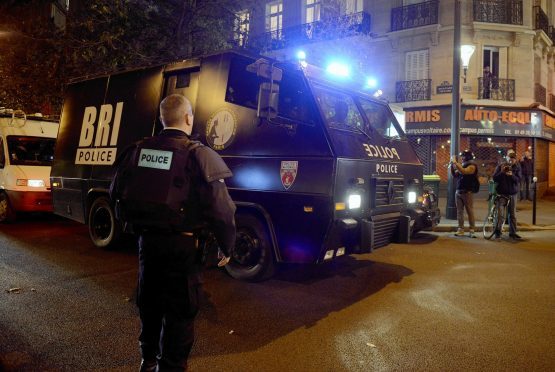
pixel 381 119
pixel 339 110
pixel 25 150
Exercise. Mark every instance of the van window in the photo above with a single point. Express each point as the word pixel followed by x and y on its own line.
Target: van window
pixel 295 101
pixel 25 150
pixel 381 119
pixel 339 110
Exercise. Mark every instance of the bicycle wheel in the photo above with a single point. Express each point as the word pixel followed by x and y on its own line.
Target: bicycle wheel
pixel 490 222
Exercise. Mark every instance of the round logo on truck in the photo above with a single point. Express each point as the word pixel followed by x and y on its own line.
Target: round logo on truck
pixel 221 128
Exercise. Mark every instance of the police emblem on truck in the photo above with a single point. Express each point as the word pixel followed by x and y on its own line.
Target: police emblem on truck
pixel 97 144
pixel 288 173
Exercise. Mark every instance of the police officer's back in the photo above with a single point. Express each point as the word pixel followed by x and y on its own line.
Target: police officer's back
pixel 166 188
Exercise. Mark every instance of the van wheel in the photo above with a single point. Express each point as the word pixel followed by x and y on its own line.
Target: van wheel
pixel 252 258
pixel 104 229
pixel 7 214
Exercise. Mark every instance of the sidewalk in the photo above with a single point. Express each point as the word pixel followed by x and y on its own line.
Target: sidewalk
pixel 545 214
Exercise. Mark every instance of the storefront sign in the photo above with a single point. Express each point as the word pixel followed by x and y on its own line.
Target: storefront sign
pixel 479 120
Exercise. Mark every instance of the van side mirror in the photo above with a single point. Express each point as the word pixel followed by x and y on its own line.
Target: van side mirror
pixel 268 100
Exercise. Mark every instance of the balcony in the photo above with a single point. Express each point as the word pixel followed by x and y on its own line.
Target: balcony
pixel 498 11
pixel 541 21
pixel 413 90
pixel 551 102
pixel 416 15
pixel 496 89
pixel 540 94
pixel 328 29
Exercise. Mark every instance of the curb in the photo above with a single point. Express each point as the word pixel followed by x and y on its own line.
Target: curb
pixel 453 228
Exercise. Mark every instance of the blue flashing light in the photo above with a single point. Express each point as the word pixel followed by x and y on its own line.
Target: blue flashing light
pixel 338 69
pixel 301 55
pixel 371 82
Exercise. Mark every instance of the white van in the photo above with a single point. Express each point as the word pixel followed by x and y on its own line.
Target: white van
pixel 27 150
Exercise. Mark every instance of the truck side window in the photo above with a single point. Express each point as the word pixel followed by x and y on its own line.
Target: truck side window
pixel 242 86
pixel 339 109
pixel 2 154
pixel 295 102
pixel 381 119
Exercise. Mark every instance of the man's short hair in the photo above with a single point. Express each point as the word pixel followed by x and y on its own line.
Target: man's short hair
pixel 173 109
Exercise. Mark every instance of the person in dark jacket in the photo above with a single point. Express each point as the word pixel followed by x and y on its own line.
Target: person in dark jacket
pixel 464 173
pixel 507 176
pixel 527 167
pixel 169 261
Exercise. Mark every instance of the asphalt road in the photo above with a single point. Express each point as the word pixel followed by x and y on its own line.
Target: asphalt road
pixel 439 304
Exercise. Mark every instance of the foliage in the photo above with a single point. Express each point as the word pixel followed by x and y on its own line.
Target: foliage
pixel 102 36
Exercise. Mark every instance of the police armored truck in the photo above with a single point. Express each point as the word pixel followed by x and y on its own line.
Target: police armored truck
pixel 320 168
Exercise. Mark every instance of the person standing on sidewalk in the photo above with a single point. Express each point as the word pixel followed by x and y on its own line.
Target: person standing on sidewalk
pixel 527 167
pixel 465 174
pixel 507 176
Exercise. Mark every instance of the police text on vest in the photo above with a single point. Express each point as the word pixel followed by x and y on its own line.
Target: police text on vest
pixel 155 159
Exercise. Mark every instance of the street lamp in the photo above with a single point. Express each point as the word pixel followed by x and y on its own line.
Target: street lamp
pixel 466 53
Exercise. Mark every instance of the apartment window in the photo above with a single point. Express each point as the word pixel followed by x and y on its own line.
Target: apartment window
pixel 311 10
pixel 417 65
pixel 353 6
pixel 491 60
pixel 411 2
pixel 274 18
pixel 242 24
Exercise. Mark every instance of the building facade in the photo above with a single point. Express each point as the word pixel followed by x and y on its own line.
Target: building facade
pixel 507 89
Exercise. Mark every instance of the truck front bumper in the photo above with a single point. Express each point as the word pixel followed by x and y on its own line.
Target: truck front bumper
pixel 30 201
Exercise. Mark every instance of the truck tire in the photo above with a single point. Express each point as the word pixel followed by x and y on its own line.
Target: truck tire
pixel 252 258
pixel 7 214
pixel 104 229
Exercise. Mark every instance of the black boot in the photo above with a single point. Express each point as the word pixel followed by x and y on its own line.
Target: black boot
pixel 148 365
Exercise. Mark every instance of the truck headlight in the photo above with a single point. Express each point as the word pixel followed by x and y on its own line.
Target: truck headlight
pixel 354 201
pixel 412 197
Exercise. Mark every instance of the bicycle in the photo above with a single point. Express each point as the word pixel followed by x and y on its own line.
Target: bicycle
pixel 490 223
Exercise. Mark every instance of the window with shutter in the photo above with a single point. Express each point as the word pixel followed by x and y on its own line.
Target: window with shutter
pixel 417 65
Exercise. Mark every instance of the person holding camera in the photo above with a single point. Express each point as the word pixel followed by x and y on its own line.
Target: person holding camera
pixel 507 176
pixel 465 174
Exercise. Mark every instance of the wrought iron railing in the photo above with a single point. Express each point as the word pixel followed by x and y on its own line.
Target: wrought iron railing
pixel 413 90
pixel 328 29
pixel 551 102
pixel 498 11
pixel 496 89
pixel 416 15
pixel 540 94
pixel 541 21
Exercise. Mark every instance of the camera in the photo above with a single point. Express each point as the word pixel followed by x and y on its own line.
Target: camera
pixel 507 168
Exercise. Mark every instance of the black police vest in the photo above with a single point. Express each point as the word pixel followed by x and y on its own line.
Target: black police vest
pixel 156 184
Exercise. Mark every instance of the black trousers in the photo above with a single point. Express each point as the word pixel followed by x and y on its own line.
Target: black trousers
pixel 525 187
pixel 168 301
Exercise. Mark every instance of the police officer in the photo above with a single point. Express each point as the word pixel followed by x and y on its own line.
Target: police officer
pixel 464 173
pixel 168 259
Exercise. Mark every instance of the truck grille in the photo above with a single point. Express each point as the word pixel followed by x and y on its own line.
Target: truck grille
pixel 388 191
pixel 385 226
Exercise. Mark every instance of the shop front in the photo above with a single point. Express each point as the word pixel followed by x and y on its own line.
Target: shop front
pixel 489 132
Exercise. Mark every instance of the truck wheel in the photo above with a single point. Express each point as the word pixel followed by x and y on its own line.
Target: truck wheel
pixel 104 230
pixel 7 214
pixel 252 258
